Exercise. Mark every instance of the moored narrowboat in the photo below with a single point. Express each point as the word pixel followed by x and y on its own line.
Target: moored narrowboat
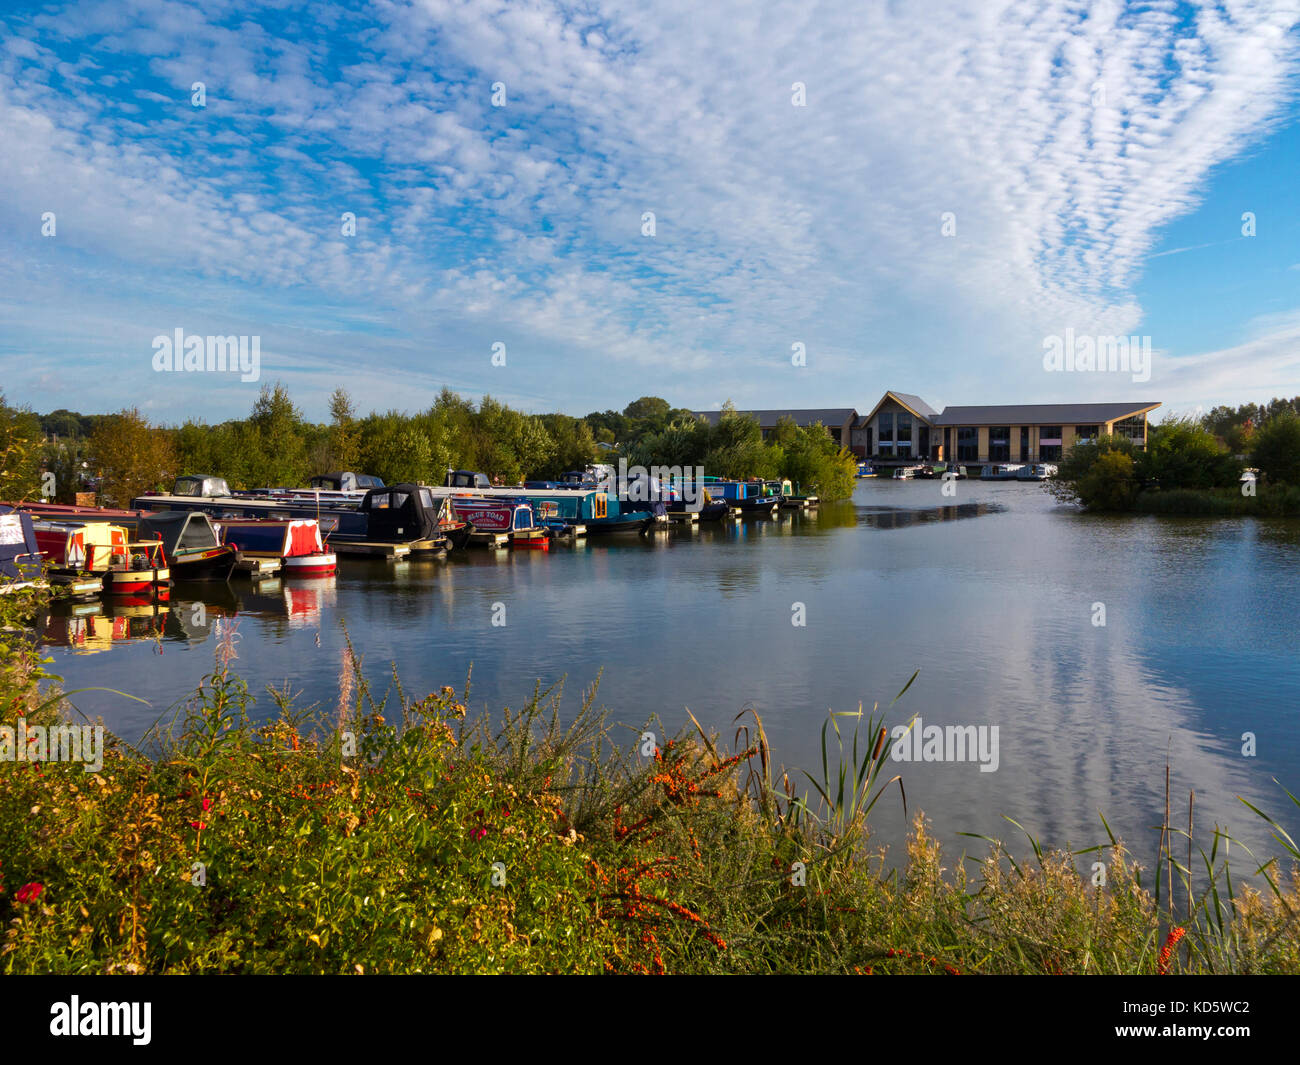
pixel 20 554
pixel 295 543
pixel 190 545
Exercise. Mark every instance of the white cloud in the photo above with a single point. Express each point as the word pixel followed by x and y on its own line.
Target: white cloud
pixel 1062 137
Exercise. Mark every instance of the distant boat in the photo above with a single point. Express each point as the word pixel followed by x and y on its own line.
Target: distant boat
pixel 1001 471
pixel 865 469
pixel 1037 471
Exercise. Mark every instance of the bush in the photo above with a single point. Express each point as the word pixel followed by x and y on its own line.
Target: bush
pixel 1276 449
pixel 1182 454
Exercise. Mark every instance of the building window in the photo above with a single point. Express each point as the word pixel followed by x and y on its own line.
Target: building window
pixel 885 423
pixel 1000 443
pixel 1084 434
pixel 968 444
pixel 903 423
pixel 1049 443
pixel 1024 443
pixel 1134 428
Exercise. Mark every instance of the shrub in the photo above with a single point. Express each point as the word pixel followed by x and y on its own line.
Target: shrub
pixel 1276 449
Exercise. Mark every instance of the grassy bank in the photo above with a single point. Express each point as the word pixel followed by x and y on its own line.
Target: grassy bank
pixel 1280 501
pixel 385 834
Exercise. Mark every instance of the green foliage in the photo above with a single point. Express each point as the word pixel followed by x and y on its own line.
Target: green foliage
pixel 1235 426
pixel 1275 449
pixel 735 447
pixel 352 843
pixel 276 441
pixel 344 436
pixel 573 446
pixel 1110 483
pixel 132 457
pixel 20 452
pixel 1181 453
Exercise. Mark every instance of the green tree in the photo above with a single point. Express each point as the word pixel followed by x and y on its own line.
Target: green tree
pixel 278 446
pixel 132 457
pixel 1110 483
pixel 1182 453
pixel 344 447
pixel 1275 449
pixel 573 446
pixel 20 452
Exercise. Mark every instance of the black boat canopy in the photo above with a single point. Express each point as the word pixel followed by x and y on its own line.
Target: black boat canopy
pixel 399 512
pixel 179 529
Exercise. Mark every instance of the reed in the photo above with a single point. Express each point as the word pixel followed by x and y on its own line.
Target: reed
pixel 390 833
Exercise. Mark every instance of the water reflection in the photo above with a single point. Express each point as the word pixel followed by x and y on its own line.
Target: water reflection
pixel 991 595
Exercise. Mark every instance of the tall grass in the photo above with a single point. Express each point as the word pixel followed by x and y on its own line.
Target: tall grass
pixel 389 834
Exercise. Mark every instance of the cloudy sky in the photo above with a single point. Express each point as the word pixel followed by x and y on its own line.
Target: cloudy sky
pixel 919 194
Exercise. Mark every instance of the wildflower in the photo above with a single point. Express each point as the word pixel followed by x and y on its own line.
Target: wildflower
pixel 198 825
pixel 1167 951
pixel 29 892
pixel 477 833
pixel 207 804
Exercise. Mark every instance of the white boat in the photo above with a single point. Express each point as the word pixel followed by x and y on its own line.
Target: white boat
pixel 1001 471
pixel 905 473
pixel 1036 471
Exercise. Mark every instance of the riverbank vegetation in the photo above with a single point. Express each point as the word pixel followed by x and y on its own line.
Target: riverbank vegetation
pixel 388 834
pixel 1187 469
pixel 122 455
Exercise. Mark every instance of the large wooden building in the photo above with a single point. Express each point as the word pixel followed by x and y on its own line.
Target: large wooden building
pixel 903 428
pixel 1033 432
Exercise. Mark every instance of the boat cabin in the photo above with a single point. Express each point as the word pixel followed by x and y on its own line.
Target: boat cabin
pixel 179 531
pixel 200 484
pixel 345 482
pixel 466 479
pixel 20 557
pixel 401 512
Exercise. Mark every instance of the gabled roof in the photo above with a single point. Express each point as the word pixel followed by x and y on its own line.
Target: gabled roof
pixel 915 404
pixel 768 418
pixel 1043 413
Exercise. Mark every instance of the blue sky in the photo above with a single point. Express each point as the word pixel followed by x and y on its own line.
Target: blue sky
pixel 1097 159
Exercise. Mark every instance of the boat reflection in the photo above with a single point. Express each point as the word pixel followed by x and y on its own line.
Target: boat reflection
pixel 187 617
pixel 900 518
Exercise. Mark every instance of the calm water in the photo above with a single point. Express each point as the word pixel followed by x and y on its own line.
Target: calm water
pixel 991 595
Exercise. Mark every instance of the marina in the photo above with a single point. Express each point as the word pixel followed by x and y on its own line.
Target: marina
pixel 617 607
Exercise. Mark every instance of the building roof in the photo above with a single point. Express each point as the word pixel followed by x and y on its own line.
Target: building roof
pixel 1042 413
pixel 769 418
pixel 915 404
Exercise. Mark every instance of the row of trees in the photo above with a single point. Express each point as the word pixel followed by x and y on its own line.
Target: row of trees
pixel 1236 426
pixel 734 447
pixel 275 445
pixel 1181 455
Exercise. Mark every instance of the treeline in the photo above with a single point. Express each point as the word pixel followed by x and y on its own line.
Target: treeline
pixel 122 455
pixel 1187 468
pixel 1235 426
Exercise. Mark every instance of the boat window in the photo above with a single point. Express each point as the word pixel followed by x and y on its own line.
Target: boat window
pixel 399 499
pixel 426 499
pixel 380 501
